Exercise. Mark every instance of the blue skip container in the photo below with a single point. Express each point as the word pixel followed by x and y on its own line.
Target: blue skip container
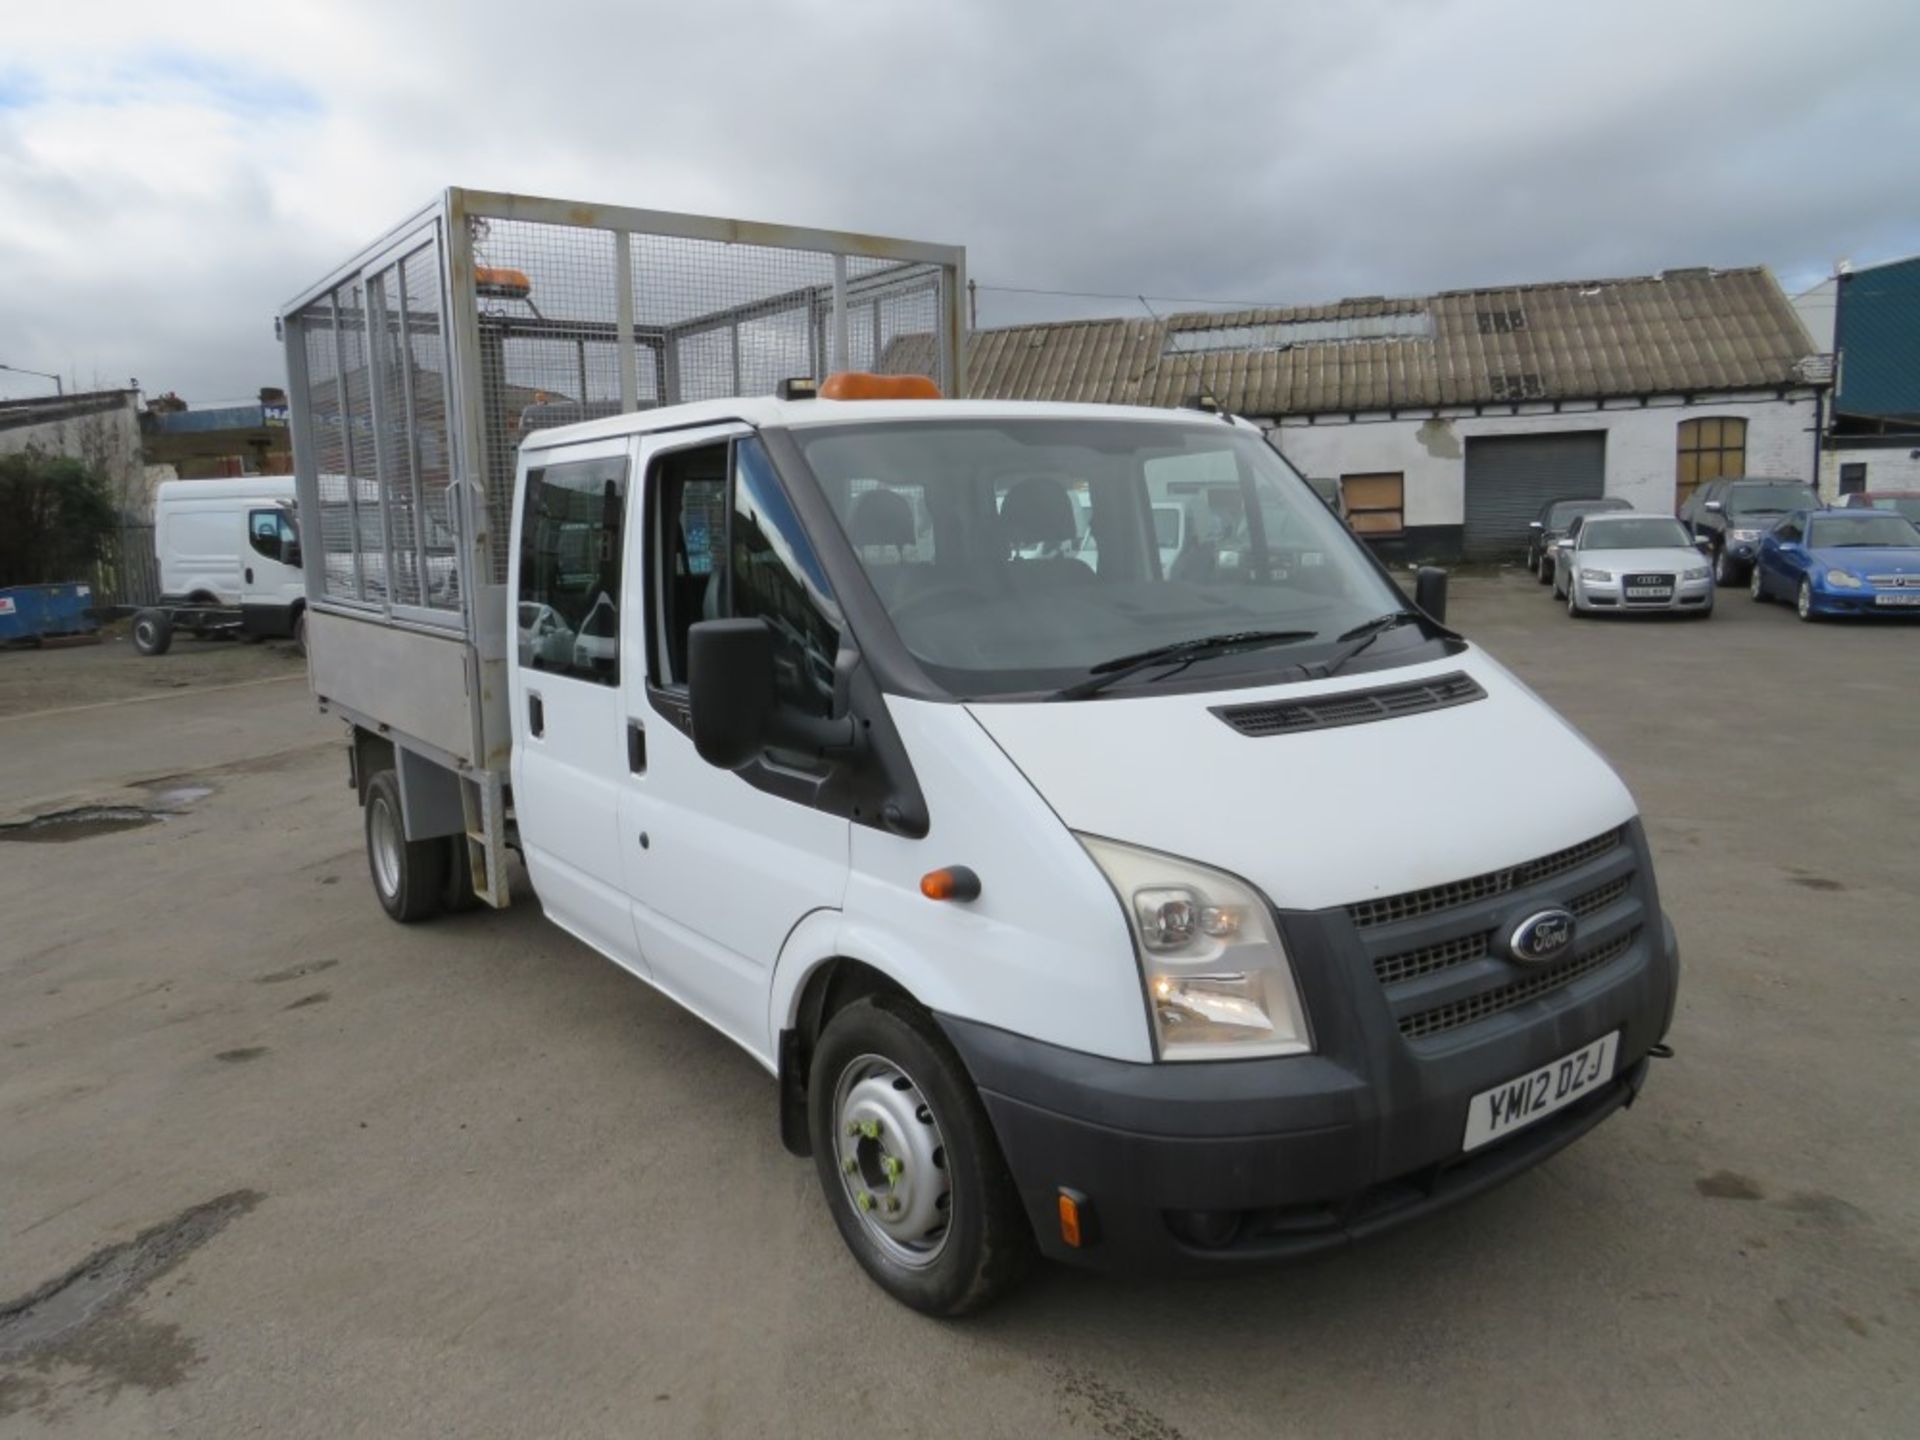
pixel 31 613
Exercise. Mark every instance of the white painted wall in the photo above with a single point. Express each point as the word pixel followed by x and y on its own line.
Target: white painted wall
pixel 1888 467
pixel 1642 447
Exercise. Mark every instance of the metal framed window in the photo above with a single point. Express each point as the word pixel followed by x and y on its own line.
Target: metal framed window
pixel 1710 447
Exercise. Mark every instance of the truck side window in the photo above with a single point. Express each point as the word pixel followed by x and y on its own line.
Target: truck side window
pixel 730 546
pixel 265 529
pixel 569 601
pixel 776 576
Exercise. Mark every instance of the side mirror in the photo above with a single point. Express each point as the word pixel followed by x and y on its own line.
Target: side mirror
pixel 290 552
pixel 730 690
pixel 1430 592
pixel 1714 505
pixel 1535 525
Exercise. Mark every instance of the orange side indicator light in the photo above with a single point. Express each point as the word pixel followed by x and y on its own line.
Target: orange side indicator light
pixel 863 385
pixel 950 882
pixel 1070 1232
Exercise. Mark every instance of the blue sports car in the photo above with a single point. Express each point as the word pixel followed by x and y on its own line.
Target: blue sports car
pixel 1840 562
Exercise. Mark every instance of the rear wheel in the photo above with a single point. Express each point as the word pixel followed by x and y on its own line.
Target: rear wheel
pixel 152 632
pixel 409 876
pixel 300 631
pixel 908 1161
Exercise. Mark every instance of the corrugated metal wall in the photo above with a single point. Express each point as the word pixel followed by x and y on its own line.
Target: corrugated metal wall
pixel 1509 477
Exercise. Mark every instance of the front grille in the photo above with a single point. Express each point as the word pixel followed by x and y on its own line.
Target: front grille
pixel 1455 1013
pixel 1351 707
pixel 1463 949
pixel 1394 908
pixel 1894 582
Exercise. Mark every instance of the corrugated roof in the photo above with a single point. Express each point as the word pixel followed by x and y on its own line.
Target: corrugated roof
pixel 1678 332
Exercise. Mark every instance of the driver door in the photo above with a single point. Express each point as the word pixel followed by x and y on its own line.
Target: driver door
pixel 721 865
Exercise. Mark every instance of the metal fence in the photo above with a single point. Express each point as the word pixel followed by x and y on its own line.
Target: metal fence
pixel 127 575
pixel 418 369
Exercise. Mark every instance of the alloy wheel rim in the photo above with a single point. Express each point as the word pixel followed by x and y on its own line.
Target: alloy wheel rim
pixel 1805 603
pixel 891 1157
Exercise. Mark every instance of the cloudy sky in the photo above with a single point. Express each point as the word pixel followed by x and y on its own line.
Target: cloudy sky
pixel 170 173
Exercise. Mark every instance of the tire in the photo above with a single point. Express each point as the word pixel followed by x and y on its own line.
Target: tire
pixel 458 896
pixel 881 1062
pixel 1803 602
pixel 1543 572
pixel 300 632
pixel 1574 612
pixel 409 876
pixel 1757 586
pixel 1726 570
pixel 152 632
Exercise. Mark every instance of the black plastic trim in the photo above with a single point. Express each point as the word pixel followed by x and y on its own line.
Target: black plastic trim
pixel 1334 709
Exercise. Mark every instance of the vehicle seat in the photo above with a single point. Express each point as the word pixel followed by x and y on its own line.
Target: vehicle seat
pixel 1037 513
pixel 881 527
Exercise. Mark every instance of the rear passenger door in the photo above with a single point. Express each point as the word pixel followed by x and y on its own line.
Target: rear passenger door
pixel 564 679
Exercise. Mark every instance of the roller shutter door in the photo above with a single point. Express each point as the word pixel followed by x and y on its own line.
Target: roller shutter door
pixel 1509 477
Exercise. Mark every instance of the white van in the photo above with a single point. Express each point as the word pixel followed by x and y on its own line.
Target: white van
pixel 1140 915
pixel 1150 920
pixel 234 545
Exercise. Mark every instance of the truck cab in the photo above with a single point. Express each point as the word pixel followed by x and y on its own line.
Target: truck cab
pixel 1063 900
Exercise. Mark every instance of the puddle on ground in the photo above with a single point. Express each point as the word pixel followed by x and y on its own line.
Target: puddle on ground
pixel 178 797
pixel 64 826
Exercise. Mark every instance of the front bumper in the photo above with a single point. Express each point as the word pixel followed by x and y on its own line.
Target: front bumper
pixel 1687 595
pixel 1200 1165
pixel 1832 600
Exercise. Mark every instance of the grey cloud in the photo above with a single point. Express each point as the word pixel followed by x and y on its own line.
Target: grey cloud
pixel 1243 150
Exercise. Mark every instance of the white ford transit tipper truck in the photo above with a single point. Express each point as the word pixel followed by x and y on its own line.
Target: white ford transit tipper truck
pixel 1138 913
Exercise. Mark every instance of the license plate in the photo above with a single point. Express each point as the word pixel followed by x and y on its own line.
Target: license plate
pixel 1649 592
pixel 1897 599
pixel 1517 1104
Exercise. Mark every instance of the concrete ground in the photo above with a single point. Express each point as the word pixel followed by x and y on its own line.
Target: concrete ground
pixel 469 1179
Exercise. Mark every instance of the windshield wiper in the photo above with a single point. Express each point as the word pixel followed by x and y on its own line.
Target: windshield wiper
pixel 1363 635
pixel 1181 653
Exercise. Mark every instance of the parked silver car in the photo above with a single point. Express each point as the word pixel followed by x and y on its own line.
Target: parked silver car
pixel 1631 562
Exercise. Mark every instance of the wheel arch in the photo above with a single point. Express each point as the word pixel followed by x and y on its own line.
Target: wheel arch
pixel 815 978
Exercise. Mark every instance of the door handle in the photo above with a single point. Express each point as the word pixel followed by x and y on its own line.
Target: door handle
pixel 536 715
pixel 249 574
pixel 636 748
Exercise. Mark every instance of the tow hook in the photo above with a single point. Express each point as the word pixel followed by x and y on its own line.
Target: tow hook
pixel 1662 1051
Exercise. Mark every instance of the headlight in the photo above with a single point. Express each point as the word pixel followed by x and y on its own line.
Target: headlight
pixel 1840 579
pixel 1699 572
pixel 1218 981
pixel 1597 577
pixel 1747 535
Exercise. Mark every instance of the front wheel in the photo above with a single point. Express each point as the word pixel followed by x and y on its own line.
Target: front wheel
pixel 1574 612
pixel 1757 586
pixel 908 1161
pixel 1543 572
pixel 1803 601
pixel 1726 570
pixel 409 876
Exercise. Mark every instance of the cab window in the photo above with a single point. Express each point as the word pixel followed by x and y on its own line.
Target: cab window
pixel 569 599
pixel 270 533
pixel 731 547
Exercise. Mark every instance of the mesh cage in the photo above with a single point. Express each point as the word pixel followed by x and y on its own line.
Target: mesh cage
pixel 404 408
pixel 711 319
pixel 375 390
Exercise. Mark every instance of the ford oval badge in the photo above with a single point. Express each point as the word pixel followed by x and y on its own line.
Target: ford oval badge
pixel 1542 936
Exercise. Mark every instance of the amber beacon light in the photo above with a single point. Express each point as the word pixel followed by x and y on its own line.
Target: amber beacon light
pixel 861 385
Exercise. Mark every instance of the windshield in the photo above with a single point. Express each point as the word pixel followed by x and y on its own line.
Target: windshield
pixel 1846 532
pixel 1907 505
pixel 1564 512
pixel 1016 555
pixel 1651 533
pixel 1768 497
